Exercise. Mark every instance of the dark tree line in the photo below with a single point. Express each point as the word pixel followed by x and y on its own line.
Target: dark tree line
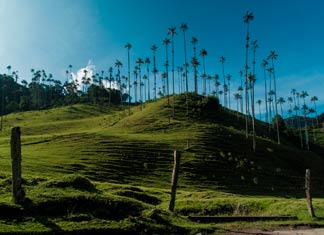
pixel 44 92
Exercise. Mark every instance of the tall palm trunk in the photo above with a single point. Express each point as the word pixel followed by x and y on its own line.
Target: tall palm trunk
pixel 229 94
pixel 110 80
pixel 195 71
pixel 224 85
pixel 270 96
pixel 204 87
pixel 167 72
pixel 185 57
pixel 298 122
pixel 306 130
pixel 251 85
pixel 148 83
pixel 246 77
pixel 270 111
pixel 275 101
pixel 173 93
pixel 135 85
pixel 140 85
pixel 241 91
pixel 265 94
pixel 154 73
pixel 129 78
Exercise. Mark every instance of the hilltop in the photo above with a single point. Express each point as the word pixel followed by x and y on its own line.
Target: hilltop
pixel 118 155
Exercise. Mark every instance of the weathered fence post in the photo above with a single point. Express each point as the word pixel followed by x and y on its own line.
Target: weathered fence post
pixel 17 191
pixel 174 180
pixel 308 193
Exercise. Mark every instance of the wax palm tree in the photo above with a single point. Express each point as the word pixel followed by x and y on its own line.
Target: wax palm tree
pixel 128 46
pixel 312 111
pixel 8 68
pixel 240 91
pixel 194 42
pixel 184 28
pixel 216 78
pixel 144 85
pixel 142 89
pixel 303 95
pixel 281 101
pixel 259 102
pixel 70 68
pixel 251 80
pixel 314 99
pixel 296 109
pixel 269 70
pixel 172 33
pixel 222 60
pixel 67 74
pixel 220 94
pixel 179 69
pixel 135 83
pixel 209 77
pixel 203 76
pixel 118 65
pixel 305 109
pixel 254 47
pixel 84 79
pixel 163 76
pixel 247 18
pixel 290 115
pixel 166 42
pixel 195 63
pixel 273 56
pixel 139 62
pixel 264 65
pixel 237 97
pixel 110 71
pixel 153 49
pixel 228 77
pixel 290 100
pixel 271 105
pixel 147 62
pixel 203 53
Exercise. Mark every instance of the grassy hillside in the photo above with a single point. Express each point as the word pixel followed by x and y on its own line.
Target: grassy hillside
pixel 128 160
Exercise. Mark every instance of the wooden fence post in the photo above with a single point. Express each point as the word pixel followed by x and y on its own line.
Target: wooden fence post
pixel 17 192
pixel 174 180
pixel 308 193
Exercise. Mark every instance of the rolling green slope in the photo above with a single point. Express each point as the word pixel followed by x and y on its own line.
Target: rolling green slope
pixel 129 158
pixel 109 145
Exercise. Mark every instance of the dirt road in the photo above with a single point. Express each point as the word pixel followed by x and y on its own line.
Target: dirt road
pixel 298 232
pixel 281 232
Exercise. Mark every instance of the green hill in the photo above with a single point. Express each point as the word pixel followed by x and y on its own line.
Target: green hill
pixel 130 157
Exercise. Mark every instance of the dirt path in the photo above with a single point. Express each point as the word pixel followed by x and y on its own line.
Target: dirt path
pixel 281 232
pixel 299 232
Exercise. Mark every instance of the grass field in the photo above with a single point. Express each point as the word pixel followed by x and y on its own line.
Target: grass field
pixel 90 169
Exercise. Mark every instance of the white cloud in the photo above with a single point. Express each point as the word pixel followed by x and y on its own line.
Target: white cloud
pixel 90 68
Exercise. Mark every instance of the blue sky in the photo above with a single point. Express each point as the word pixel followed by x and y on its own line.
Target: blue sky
pixel 51 34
